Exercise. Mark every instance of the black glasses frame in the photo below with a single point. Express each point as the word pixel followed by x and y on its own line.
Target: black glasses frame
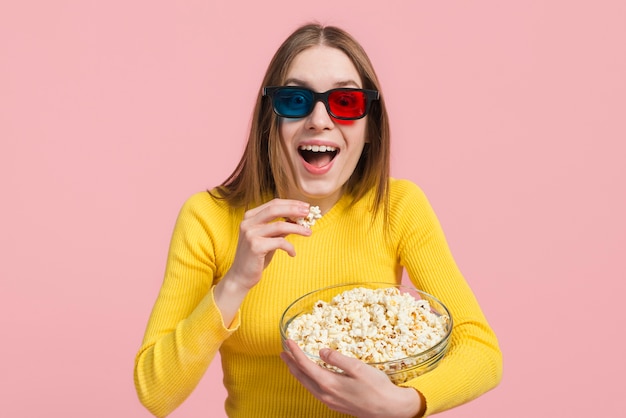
pixel 370 95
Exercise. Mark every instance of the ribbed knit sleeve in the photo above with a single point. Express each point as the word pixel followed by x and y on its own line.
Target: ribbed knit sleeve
pixel 473 364
pixel 185 329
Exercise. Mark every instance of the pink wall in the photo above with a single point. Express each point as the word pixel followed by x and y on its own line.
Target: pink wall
pixel 510 115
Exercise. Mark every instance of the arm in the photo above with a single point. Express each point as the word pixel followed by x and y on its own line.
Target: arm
pixel 195 311
pixel 473 364
pixel 185 329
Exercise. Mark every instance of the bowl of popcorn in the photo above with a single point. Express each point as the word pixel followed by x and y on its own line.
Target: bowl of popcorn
pixel 396 328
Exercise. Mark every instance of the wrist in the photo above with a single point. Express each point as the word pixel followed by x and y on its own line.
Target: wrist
pixel 422 409
pixel 228 296
pixel 231 287
pixel 415 404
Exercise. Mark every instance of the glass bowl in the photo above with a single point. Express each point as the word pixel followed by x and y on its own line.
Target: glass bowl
pixel 399 368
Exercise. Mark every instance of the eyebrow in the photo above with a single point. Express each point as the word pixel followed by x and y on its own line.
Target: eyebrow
pixel 300 83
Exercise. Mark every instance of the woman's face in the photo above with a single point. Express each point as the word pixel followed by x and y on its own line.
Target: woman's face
pixel 320 173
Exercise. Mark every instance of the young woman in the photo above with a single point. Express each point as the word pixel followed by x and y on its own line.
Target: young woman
pixel 319 136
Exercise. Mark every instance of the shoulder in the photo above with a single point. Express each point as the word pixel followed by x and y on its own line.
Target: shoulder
pixel 207 205
pixel 408 203
pixel 204 200
pixel 403 191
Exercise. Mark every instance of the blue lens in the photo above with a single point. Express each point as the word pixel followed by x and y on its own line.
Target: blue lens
pixel 293 103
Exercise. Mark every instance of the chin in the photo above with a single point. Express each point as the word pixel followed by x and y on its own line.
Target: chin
pixel 319 193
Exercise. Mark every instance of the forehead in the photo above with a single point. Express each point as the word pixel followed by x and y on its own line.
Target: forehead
pixel 325 67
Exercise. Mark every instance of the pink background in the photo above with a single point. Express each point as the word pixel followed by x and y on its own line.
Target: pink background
pixel 510 115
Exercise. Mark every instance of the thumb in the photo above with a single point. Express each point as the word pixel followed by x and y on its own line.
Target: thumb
pixel 345 363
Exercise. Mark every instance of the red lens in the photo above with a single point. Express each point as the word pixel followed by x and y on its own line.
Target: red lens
pixel 347 104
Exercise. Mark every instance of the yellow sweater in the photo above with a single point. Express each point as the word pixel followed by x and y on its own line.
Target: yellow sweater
pixel 186 330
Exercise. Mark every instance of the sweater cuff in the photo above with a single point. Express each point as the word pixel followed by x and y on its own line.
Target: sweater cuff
pixel 236 322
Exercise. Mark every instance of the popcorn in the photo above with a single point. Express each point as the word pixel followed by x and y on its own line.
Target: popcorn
pixel 314 214
pixel 373 325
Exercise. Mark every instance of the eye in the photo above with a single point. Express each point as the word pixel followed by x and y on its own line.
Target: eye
pixel 292 102
pixel 297 100
pixel 346 100
pixel 347 103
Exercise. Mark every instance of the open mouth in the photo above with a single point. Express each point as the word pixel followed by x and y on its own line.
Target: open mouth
pixel 317 155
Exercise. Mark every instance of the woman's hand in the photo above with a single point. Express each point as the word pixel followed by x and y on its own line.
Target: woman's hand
pixel 261 232
pixel 362 390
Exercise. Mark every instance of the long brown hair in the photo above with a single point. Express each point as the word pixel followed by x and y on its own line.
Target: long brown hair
pixel 261 174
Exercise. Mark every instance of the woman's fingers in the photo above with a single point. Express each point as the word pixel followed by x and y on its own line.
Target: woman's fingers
pixel 298 373
pixel 262 232
pixel 308 373
pixel 279 229
pixel 361 390
pixel 278 208
pixel 350 366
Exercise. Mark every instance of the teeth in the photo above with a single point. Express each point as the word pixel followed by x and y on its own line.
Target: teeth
pixel 317 148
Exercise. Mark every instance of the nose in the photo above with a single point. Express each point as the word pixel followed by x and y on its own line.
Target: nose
pixel 319 119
